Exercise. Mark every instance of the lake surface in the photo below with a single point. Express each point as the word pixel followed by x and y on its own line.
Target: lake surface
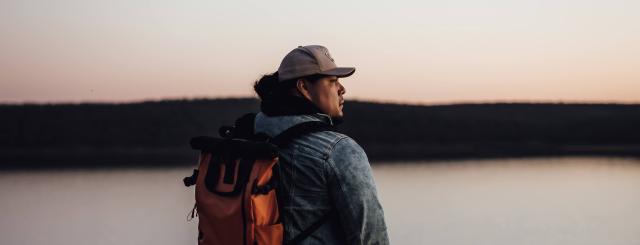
pixel 511 201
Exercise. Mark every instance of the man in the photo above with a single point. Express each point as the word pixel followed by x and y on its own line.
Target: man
pixel 325 177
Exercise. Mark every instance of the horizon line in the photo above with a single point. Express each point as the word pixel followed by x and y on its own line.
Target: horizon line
pixel 366 100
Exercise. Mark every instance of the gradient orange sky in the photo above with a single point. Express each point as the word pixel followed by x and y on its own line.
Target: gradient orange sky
pixel 404 51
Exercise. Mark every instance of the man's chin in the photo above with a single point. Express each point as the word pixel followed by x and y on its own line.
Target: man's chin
pixel 337 120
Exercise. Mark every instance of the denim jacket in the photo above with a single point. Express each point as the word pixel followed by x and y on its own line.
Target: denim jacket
pixel 321 171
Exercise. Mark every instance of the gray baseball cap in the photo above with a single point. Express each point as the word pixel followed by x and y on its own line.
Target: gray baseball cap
pixel 310 60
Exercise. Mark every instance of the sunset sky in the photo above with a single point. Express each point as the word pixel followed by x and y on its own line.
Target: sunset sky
pixel 404 51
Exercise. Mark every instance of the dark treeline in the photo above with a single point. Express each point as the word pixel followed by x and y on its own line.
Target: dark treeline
pixel 157 133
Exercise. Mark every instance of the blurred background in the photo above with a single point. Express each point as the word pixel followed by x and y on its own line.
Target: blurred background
pixel 493 122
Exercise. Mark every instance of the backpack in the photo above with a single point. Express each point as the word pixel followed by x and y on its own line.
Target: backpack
pixel 236 182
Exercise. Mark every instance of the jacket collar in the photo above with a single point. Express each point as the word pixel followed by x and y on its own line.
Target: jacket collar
pixel 274 125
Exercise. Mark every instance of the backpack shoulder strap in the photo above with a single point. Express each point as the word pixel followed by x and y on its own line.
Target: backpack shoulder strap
pixel 312 228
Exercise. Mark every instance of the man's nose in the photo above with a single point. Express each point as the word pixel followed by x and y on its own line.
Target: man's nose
pixel 341 90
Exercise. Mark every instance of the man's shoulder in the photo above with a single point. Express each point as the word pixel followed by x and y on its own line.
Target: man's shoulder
pixel 335 139
pixel 338 143
pixel 327 142
pixel 330 136
pixel 347 156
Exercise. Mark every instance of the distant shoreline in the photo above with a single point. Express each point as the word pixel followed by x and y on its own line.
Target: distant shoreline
pixel 156 133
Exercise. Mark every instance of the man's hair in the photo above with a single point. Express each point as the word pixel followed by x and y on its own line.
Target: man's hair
pixel 270 86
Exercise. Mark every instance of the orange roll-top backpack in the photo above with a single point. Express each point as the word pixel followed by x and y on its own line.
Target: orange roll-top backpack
pixel 236 185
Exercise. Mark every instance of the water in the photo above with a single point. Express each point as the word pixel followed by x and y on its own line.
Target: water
pixel 518 201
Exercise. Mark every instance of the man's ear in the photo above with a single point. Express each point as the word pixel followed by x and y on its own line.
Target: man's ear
pixel 303 88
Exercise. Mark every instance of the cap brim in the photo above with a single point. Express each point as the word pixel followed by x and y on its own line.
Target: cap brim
pixel 340 71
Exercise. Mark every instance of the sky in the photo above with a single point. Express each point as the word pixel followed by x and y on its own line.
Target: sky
pixel 426 52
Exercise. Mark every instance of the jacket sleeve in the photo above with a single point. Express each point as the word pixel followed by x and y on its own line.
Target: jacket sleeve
pixel 353 191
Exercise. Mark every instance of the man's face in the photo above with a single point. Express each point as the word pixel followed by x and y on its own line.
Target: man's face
pixel 326 94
